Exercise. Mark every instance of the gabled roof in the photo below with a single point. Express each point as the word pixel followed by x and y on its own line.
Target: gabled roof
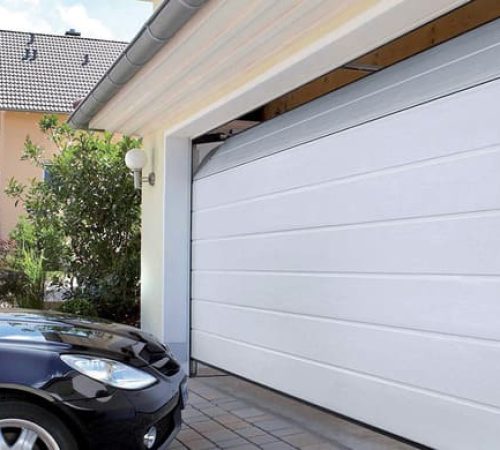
pixel 48 73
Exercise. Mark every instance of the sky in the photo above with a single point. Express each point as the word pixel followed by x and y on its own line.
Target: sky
pixel 102 19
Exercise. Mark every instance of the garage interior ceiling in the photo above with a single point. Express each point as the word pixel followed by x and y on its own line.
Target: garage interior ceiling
pixel 459 21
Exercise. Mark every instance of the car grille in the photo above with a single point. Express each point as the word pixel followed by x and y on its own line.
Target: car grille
pixel 166 425
pixel 160 360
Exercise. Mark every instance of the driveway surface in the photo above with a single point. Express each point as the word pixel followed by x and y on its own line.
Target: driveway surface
pixel 226 412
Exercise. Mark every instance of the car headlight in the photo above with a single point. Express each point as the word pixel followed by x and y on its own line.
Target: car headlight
pixel 110 372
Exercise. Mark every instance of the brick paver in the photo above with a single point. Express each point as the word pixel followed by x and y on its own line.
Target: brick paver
pixel 215 420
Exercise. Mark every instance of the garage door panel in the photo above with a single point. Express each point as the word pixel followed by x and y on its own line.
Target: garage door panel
pixel 364 348
pixel 360 112
pixel 445 186
pixel 441 246
pixel 420 415
pixel 451 67
pixel 420 135
pixel 464 306
pixel 426 135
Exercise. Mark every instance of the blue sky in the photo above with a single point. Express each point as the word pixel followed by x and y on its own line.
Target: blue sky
pixel 104 19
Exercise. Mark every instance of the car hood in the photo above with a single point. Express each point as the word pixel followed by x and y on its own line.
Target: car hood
pixel 65 333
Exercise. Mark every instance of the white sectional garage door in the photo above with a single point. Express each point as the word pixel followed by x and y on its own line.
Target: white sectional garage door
pixel 348 253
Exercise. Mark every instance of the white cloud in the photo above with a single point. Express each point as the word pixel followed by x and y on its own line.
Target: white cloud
pixel 111 19
pixel 23 21
pixel 77 17
pixel 23 3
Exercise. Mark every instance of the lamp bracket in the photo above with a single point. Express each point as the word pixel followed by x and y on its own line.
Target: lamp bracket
pixel 151 178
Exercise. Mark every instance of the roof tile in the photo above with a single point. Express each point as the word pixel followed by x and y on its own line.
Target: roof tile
pixel 48 73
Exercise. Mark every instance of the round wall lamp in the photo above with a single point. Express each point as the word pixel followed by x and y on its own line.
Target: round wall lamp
pixel 136 160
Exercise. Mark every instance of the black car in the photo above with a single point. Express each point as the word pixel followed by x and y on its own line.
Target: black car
pixel 70 383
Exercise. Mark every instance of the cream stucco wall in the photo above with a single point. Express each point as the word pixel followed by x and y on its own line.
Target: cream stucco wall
pixel 152 268
pixel 14 127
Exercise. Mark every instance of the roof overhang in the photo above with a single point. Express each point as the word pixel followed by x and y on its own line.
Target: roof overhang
pixel 164 23
pixel 231 57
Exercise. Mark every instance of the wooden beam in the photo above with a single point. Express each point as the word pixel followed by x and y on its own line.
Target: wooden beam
pixel 312 90
pixel 459 21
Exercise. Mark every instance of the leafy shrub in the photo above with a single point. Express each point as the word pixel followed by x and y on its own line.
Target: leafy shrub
pixel 31 264
pixel 12 285
pixel 12 282
pixel 85 221
pixel 80 307
pixel 39 236
pixel 6 250
pixel 25 281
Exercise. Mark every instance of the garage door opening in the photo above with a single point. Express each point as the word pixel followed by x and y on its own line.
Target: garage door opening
pixel 346 252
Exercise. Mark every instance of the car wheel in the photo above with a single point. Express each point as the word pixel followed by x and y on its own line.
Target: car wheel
pixel 24 426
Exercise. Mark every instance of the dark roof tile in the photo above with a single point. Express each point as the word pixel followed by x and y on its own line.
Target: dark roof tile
pixel 57 74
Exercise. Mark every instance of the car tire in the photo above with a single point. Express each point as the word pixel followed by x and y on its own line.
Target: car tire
pixel 20 419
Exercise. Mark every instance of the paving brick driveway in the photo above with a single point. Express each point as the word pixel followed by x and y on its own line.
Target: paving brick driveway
pixel 228 413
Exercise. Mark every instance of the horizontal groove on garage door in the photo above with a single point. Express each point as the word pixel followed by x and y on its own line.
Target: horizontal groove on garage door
pixel 407 407
pixel 459 64
pixel 381 344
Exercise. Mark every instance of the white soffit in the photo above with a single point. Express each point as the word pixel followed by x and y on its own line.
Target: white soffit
pixel 234 56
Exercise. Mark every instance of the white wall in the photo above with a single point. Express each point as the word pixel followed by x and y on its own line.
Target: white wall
pixel 166 241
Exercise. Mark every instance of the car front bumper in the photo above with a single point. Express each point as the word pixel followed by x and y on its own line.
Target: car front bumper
pixel 121 420
pixel 172 435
